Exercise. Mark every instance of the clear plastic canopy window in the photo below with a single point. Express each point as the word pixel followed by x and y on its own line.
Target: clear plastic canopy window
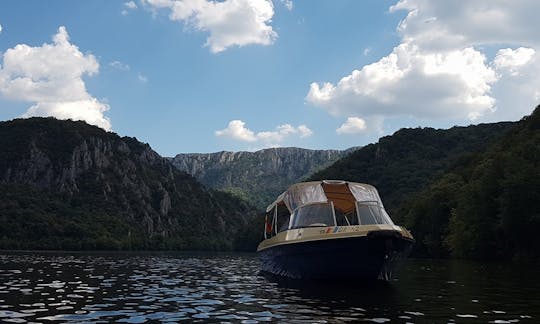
pixel 304 194
pixel 363 193
pixel 313 192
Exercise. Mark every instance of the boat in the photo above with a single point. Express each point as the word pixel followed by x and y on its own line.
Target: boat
pixel 331 230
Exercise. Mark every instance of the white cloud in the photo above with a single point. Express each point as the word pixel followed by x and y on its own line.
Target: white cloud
pixel 283 131
pixel 411 82
pixel 288 4
pixel 366 51
pixel 119 65
pixel 441 24
pixel 229 22
pixel 518 88
pixel 0 28
pixel 440 70
pixel 238 131
pixel 89 110
pixel 304 131
pixel 142 78
pixel 512 60
pixel 50 76
pixel 128 6
pixel 353 125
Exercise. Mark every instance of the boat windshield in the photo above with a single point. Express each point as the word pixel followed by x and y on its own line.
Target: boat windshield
pixel 370 213
pixel 325 214
pixel 323 204
pixel 313 215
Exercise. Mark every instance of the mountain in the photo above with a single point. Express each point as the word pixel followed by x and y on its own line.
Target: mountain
pixel 401 164
pixel 257 177
pixel 69 185
pixel 486 206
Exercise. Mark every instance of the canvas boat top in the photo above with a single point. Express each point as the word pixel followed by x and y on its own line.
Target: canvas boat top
pixel 343 194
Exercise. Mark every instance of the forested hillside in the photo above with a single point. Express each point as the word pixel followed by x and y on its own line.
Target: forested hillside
pixel 411 159
pixel 69 185
pixel 486 206
pixel 471 192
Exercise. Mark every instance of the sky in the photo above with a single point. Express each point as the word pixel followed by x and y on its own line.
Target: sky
pixel 205 76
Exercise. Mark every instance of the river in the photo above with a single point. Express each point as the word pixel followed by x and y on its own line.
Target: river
pixel 206 287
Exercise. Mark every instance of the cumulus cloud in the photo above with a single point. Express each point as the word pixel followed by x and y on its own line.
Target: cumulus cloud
pixel 119 66
pixel 440 70
pixel 50 76
pixel 518 87
pixel 353 125
pixel 438 25
pixel 409 81
pixel 229 22
pixel 513 60
pixel 304 131
pixel 237 130
pixel 128 6
pixel 0 28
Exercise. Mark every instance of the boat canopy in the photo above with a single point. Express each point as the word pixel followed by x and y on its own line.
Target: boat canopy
pixel 343 194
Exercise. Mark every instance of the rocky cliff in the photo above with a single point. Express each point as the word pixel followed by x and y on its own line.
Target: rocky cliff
pixel 257 176
pixel 66 184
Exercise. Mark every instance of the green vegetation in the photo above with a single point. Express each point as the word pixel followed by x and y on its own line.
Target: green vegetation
pixel 471 192
pixel 36 219
pixel 400 165
pixel 487 206
pixel 69 185
pixel 409 160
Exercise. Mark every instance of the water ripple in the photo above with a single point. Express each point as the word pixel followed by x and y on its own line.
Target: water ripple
pixel 137 288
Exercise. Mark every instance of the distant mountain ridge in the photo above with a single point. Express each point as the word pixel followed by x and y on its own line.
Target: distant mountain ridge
pixel 69 185
pixel 470 192
pixel 256 176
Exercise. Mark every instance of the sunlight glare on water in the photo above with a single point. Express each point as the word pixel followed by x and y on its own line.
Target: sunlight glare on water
pixel 137 288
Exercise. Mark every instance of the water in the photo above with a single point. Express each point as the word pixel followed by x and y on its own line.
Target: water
pixel 137 288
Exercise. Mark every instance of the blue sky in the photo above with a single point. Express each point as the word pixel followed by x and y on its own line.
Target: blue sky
pixel 205 76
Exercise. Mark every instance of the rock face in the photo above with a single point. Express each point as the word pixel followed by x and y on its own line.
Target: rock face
pixel 99 190
pixel 256 176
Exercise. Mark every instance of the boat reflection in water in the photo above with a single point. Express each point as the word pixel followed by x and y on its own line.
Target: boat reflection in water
pixel 331 230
